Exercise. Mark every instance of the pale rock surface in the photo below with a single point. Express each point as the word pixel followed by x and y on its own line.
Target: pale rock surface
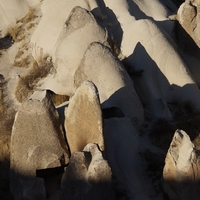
pixel 181 171
pixel 70 48
pixel 83 118
pixel 122 148
pixel 115 87
pixel 88 176
pixel 188 17
pixel 55 14
pixel 37 142
pixel 147 47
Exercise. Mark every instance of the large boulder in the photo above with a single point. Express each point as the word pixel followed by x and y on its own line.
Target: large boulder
pixel 37 142
pixel 181 171
pixel 88 176
pixel 115 86
pixel 69 49
pixel 83 118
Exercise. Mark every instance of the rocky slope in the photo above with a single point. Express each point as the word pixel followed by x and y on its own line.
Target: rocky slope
pixel 99 99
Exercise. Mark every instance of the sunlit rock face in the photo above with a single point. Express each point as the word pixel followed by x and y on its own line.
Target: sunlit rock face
pixel 83 122
pixel 181 171
pixel 88 176
pixel 115 87
pixel 188 17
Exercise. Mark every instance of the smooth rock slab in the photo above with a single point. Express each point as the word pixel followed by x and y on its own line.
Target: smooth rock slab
pixel 83 119
pixel 37 142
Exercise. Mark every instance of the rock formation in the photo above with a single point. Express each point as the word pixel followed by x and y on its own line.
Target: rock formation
pixel 69 49
pixel 88 176
pixel 128 85
pixel 37 142
pixel 83 122
pixel 188 17
pixel 115 87
pixel 181 172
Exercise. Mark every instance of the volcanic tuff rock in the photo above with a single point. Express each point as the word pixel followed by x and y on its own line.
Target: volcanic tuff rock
pixel 70 47
pixel 88 176
pixel 181 171
pixel 83 118
pixel 37 142
pixel 115 87
pixel 188 17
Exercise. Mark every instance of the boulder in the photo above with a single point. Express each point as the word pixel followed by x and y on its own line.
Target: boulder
pixel 88 176
pixel 115 86
pixel 37 142
pixel 69 49
pixel 188 17
pixel 181 176
pixel 83 118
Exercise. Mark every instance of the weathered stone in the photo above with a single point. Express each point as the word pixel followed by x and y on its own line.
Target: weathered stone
pixel 181 171
pixel 188 16
pixel 37 142
pixel 88 176
pixel 83 119
pixel 115 86
pixel 70 47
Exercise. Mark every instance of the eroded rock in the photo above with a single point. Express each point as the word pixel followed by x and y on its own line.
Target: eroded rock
pixel 88 176
pixel 37 142
pixel 115 87
pixel 181 171
pixel 83 119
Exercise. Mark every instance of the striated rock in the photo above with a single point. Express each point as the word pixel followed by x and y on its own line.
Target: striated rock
pixel 115 87
pixel 181 171
pixel 88 176
pixel 188 16
pixel 37 142
pixel 83 119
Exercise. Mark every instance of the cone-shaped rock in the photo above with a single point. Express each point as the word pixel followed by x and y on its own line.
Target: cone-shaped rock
pixel 37 142
pixel 181 171
pixel 70 47
pixel 115 86
pixel 83 121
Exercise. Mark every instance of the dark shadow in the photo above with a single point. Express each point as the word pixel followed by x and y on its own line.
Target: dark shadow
pixel 178 2
pixel 112 112
pixel 185 41
pixel 109 21
pixel 5 193
pixel 135 11
pixel 147 80
pixel 6 42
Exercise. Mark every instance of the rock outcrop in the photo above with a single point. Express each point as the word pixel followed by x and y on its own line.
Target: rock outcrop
pixel 181 171
pixel 188 17
pixel 115 87
pixel 83 118
pixel 88 176
pixel 70 47
pixel 37 142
